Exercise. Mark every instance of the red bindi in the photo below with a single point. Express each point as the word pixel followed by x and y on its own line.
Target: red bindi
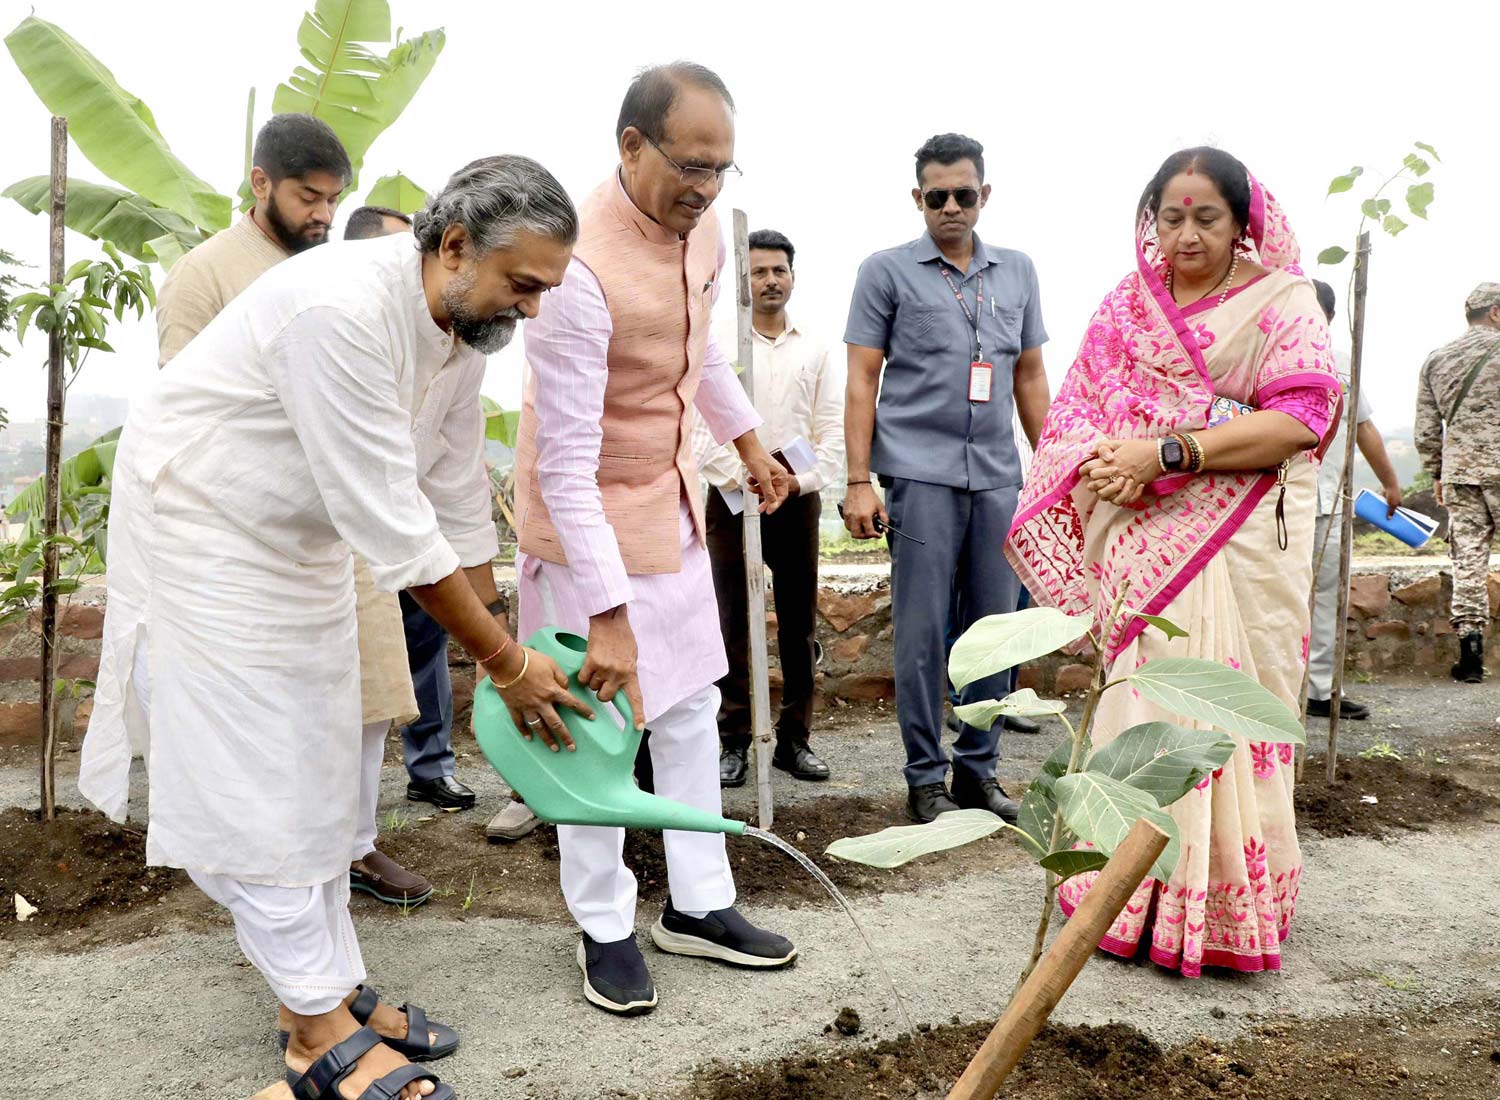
pixel 1189 172
pixel 1187 201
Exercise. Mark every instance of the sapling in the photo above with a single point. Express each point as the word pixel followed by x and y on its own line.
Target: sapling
pixel 1082 804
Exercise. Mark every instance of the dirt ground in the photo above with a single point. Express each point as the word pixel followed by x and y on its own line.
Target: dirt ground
pixel 1391 989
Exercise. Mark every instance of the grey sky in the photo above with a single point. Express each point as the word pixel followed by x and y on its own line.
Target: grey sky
pixel 1076 104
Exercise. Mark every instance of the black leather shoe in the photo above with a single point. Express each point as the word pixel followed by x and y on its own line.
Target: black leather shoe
pixel 615 977
pixel 445 792
pixel 733 764
pixel 924 803
pixel 1016 724
pixel 984 794
pixel 1348 708
pixel 798 759
pixel 724 935
pixel 1470 667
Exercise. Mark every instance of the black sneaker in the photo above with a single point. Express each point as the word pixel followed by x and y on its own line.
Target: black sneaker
pixel 615 977
pixel 724 935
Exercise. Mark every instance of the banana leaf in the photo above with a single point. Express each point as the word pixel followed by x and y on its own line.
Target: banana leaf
pixel 89 468
pixel 396 193
pixel 499 424
pixel 135 226
pixel 113 128
pixel 345 83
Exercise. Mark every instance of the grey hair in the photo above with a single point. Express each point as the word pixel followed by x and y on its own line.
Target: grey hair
pixel 494 199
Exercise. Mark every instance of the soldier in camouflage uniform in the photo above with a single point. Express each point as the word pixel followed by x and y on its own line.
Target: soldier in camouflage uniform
pixel 1458 437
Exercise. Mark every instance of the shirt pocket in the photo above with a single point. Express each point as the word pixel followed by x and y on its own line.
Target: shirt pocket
pixel 1007 324
pixel 924 327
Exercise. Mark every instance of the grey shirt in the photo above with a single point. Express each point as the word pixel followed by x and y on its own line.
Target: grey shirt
pixel 926 428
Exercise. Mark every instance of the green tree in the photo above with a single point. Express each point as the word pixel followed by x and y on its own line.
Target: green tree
pixel 356 76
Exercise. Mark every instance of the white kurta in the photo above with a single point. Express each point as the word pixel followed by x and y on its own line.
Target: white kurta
pixel 323 410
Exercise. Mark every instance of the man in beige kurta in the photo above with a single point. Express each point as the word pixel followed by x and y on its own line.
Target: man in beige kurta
pixel 300 172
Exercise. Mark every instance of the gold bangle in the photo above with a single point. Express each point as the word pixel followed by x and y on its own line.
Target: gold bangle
pixel 525 664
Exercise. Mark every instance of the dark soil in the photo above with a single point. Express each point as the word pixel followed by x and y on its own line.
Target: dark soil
pixel 520 879
pixel 1409 797
pixel 86 876
pixel 1453 1055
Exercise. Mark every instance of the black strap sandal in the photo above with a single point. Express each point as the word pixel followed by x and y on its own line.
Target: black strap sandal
pixel 322 1078
pixel 417 1046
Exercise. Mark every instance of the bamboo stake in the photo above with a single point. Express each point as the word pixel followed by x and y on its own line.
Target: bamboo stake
pixel 55 393
pixel 1346 531
pixel 755 574
pixel 1029 1009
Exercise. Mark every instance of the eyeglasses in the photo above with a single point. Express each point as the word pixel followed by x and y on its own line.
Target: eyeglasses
pixel 937 198
pixel 692 175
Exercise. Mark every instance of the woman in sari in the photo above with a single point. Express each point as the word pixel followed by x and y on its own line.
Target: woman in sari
pixel 1132 491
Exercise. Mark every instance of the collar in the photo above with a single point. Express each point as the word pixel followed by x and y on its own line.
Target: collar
pixel 632 215
pixel 791 328
pixel 925 250
pixel 249 216
pixel 428 331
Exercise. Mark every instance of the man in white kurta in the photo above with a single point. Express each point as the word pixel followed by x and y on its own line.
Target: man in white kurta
pixel 328 408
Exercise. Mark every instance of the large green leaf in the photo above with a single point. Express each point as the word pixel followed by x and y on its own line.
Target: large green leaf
pixel 1164 760
pixel 112 128
pixel 500 425
pixel 397 193
pixel 345 83
pixel 998 642
pixel 1101 810
pixel 901 844
pixel 90 467
pixel 1039 807
pixel 1018 704
pixel 132 224
pixel 1218 695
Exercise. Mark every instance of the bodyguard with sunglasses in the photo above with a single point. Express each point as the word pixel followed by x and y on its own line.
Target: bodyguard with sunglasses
pixel 948 331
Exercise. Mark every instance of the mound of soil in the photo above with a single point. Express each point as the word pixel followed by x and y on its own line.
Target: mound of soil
pixel 474 878
pixel 78 869
pixel 1454 1055
pixel 1407 797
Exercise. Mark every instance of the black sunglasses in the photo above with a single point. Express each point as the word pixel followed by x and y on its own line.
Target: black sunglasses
pixel 937 198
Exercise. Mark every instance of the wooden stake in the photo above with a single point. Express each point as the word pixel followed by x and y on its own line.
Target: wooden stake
pixel 1033 1003
pixel 1346 531
pixel 55 393
pixel 755 574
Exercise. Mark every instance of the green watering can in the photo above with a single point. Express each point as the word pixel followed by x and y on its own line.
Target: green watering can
pixel 594 785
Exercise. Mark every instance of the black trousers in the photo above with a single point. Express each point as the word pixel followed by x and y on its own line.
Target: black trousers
pixel 789 542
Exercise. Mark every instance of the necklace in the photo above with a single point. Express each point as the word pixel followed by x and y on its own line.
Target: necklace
pixel 1234 262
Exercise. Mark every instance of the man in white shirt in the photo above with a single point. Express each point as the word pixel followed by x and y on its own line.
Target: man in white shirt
pixel 799 390
pixel 1330 518
pixel 331 407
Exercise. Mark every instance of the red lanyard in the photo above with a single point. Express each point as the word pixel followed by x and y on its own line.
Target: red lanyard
pixel 964 305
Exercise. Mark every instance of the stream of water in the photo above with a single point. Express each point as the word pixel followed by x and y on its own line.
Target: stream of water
pixel 833 892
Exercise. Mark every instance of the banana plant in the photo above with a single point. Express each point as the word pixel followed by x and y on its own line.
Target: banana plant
pixel 1082 804
pixel 157 208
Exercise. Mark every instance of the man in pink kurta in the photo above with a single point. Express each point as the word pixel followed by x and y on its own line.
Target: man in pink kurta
pixel 611 530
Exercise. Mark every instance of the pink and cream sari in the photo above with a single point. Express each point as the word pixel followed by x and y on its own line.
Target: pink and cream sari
pixel 1203 550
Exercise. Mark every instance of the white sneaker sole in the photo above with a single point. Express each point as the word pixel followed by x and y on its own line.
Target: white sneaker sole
pixel 675 943
pixel 631 1008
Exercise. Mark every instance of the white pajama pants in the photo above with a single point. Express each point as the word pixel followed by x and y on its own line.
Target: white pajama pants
pixel 1324 634
pixel 599 889
pixel 300 938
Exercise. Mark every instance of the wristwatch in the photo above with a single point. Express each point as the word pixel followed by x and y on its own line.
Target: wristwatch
pixel 496 607
pixel 1170 453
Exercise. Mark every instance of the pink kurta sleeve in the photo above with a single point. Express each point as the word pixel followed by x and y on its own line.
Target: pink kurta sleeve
pixel 721 400
pixel 567 348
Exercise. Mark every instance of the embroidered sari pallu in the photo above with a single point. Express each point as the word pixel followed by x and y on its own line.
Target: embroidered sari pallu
pixel 1203 551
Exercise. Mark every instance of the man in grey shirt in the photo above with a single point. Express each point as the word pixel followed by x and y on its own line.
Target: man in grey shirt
pixel 957 327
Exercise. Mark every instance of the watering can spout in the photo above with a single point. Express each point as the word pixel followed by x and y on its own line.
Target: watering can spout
pixel 594 785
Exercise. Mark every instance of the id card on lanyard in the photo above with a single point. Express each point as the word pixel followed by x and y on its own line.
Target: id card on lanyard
pixel 981 373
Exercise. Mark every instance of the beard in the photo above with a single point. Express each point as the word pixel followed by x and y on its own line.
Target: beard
pixel 485 335
pixel 293 238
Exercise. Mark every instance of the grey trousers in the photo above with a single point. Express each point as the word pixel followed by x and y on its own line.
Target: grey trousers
pixel 964 532
pixel 1321 640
